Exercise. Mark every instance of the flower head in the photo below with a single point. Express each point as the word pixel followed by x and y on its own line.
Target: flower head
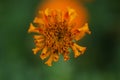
pixel 56 32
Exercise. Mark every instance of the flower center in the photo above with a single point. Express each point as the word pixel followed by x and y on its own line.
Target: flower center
pixel 58 37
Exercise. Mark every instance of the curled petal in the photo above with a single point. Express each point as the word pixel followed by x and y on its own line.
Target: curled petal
pixel 80 33
pixel 44 55
pixel 49 61
pixel 44 50
pixel 80 48
pixel 33 29
pixel 85 29
pixel 35 50
pixel 76 53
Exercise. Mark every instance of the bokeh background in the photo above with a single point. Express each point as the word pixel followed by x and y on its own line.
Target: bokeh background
pixel 101 60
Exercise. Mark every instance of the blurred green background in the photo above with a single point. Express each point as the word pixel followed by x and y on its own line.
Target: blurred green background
pixel 101 60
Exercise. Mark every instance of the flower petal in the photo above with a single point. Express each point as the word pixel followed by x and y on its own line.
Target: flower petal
pixel 33 29
pixel 49 61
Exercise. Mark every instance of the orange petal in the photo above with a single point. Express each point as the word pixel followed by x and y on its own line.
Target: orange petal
pixel 35 50
pixel 72 14
pixel 40 45
pixel 44 50
pixel 85 29
pixel 44 55
pixel 59 15
pixel 47 12
pixel 80 33
pixel 80 48
pixel 49 61
pixel 38 20
pixel 76 53
pixel 33 29
pixel 39 40
pixel 79 36
pixel 38 37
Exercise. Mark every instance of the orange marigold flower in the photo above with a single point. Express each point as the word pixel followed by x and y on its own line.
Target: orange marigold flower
pixel 56 33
